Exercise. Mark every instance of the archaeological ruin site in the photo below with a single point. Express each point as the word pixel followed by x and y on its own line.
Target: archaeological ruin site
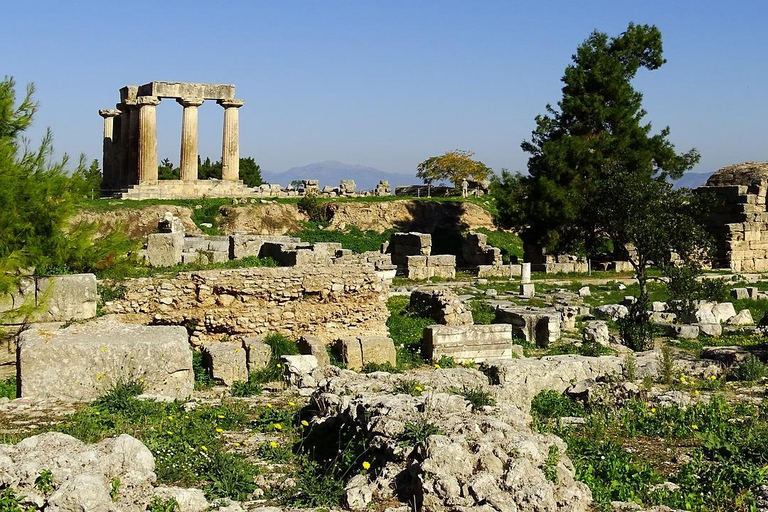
pixel 199 345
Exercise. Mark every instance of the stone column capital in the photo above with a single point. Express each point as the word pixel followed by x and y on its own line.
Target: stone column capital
pixel 231 103
pixel 189 102
pixel 145 101
pixel 128 105
pixel 109 112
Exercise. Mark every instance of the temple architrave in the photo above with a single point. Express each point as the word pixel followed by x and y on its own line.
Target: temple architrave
pixel 130 143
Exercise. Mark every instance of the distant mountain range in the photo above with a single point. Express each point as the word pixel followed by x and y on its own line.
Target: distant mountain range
pixel 692 179
pixel 332 172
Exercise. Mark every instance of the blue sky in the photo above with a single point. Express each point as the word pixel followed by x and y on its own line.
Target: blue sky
pixel 384 84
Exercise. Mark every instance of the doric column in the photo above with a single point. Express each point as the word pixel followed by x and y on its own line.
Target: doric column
pixel 130 144
pixel 188 166
pixel 147 139
pixel 230 144
pixel 109 148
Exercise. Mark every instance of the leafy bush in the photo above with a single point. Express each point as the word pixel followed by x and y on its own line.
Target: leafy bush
pixel 446 362
pixel 203 378
pixel 251 387
pixel 121 396
pixel 636 329
pixel 10 502
pixel 751 369
pixel 510 243
pixel 406 330
pixel 281 346
pixel 313 208
pixel 160 505
pixel 409 387
pixel 475 396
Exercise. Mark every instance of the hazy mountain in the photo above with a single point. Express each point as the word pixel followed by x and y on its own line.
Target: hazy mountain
pixel 692 179
pixel 331 173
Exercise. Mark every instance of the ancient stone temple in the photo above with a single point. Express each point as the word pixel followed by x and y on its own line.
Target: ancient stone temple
pixel 130 143
pixel 739 222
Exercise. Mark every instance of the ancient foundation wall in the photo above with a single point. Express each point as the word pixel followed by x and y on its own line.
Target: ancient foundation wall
pixel 329 302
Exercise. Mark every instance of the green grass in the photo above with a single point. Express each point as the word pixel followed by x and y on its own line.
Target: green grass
pixel 406 330
pixel 121 273
pixel 351 238
pixel 482 312
pixel 273 371
pixel 509 243
pixel 8 388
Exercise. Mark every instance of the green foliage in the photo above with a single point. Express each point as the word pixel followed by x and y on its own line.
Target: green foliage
pixel 371 367
pixel 667 370
pixel 166 170
pixel 160 505
pixel 10 502
pixel 207 169
pixel 630 367
pixel 751 369
pixel 351 238
pixel 120 397
pixel 203 378
pixel 38 199
pixel 44 481
pixel 9 388
pixel 446 362
pixel 406 330
pixel 208 213
pixel 315 487
pixel 409 387
pixel 636 329
pixel 418 432
pixel 454 166
pixel 250 172
pixel 477 397
pixel 550 404
pixel 685 288
pixel 87 182
pixel 274 452
pixel 510 243
pixel 482 312
pixel 114 488
pixel 550 465
pixel 251 387
pixel 312 207
pixel 281 346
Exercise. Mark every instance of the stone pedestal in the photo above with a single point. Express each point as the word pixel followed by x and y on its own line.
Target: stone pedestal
pixel 147 139
pixel 109 169
pixel 230 144
pixel 527 290
pixel 188 166
pixel 525 275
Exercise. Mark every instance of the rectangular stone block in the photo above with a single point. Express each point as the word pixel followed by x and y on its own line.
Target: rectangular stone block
pixel 65 298
pixel 314 346
pixel 84 361
pixel 378 349
pixel 420 272
pixel 416 261
pixel 476 343
pixel 164 249
pixel 351 352
pixel 442 259
pixel 187 90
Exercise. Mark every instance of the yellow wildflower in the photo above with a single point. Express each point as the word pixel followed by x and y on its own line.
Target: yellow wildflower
pixel 219 430
pixel 170 418
pixel 682 379
pixel 304 422
pixel 278 426
pixel 97 413
pixel 237 445
pixel 695 427
pixel 653 410
pixel 714 377
pixel 291 403
pixel 366 465
pixel 418 388
pixel 221 416
pixel 273 444
pixel 204 448
pixel 269 406
pixel 437 366
pixel 169 432
pixel 696 392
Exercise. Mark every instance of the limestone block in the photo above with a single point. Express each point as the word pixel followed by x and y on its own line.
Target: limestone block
pixel 476 343
pixel 84 361
pixel 217 256
pixel 196 257
pixel 658 307
pixel 218 243
pixel 710 329
pixel 351 353
pixel 227 361
pixel 195 243
pixel 378 349
pixel 241 246
pixel 752 291
pixel 596 331
pixel 164 249
pixel 65 298
pixel 744 317
pixel 527 290
pixel 257 353
pixel 418 273
pixel 611 311
pixel 443 271
pixel 723 311
pixel 685 331
pixel 416 261
pixel 584 291
pixel 441 260
pixel 312 345
pixel 297 370
pixel 662 318
pixel 23 294
pixel 739 293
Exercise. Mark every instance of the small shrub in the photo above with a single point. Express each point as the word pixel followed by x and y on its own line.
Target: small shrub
pixel 636 329
pixel 44 481
pixel 310 205
pixel 406 330
pixel 415 433
pixel 120 398
pixel 251 387
pixel 274 419
pixel 203 378
pixel 10 502
pixel 482 312
pixel 160 505
pixel 379 367
pixel 281 346
pixel 315 487
pixel 409 387
pixel 630 367
pixel 8 388
pixel 667 373
pixel 750 370
pixel 475 396
pixel 274 452
pixel 550 404
pixel 446 362
pixel 114 488
pixel 550 465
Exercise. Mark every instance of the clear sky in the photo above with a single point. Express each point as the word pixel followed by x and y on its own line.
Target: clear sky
pixel 384 83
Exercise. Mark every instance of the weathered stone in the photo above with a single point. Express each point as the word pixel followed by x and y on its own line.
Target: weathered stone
pixel 476 343
pixel 584 291
pixel 685 331
pixel 744 317
pixel 258 354
pixel 442 305
pixel 297 370
pixel 227 362
pixel 596 331
pixel 351 353
pixel 611 311
pixel 164 249
pixel 527 290
pixel 662 318
pixel 65 298
pixel 312 345
pixel 378 350
pixel 658 307
pixel 84 361
pixel 723 311
pixel 535 325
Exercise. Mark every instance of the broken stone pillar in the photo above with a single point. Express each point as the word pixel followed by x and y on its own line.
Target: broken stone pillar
pixel 526 286
pixel 148 139
pixel 188 165
pixel 109 169
pixel 525 276
pixel 230 144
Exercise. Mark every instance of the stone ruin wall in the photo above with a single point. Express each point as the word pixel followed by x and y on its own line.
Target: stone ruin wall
pixel 739 221
pixel 329 302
